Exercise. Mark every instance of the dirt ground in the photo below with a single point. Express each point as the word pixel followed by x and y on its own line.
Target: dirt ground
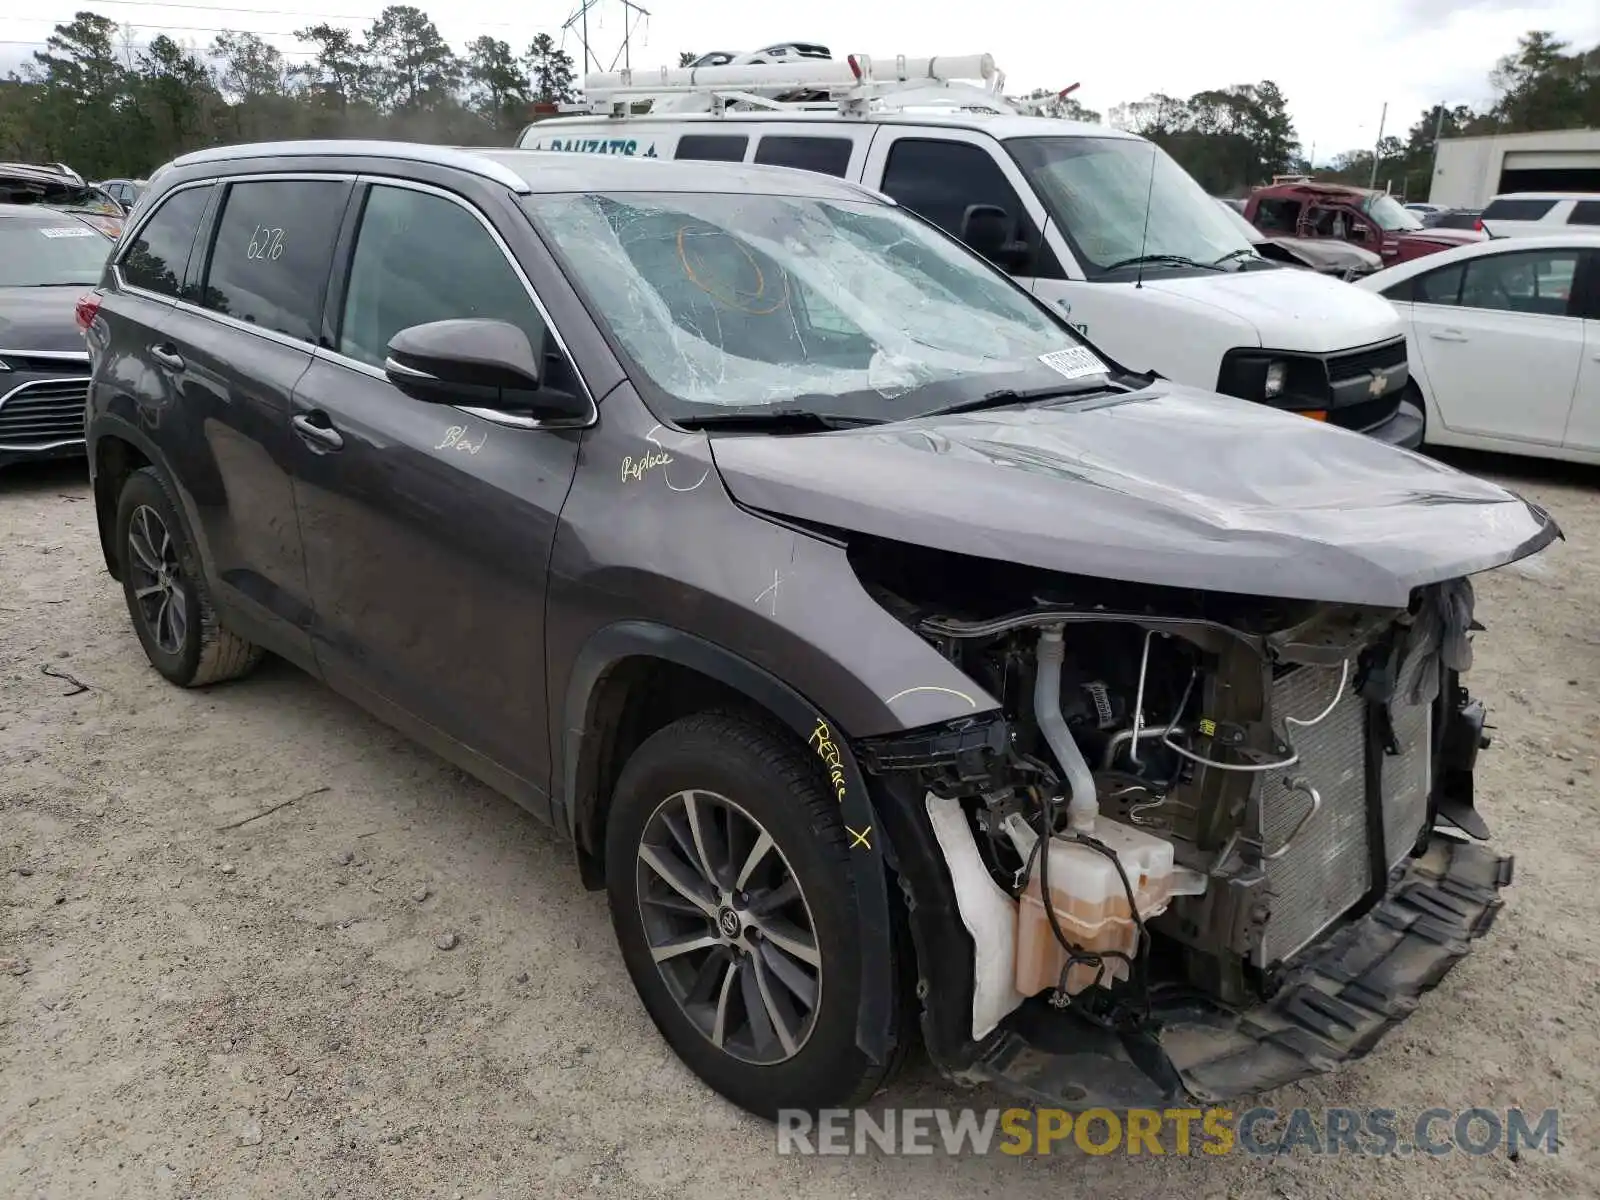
pixel 191 1009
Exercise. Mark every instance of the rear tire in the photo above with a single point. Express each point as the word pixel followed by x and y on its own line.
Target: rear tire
pixel 165 588
pixel 762 1004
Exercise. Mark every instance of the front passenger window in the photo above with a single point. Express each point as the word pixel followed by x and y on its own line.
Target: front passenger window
pixel 1537 282
pixel 422 258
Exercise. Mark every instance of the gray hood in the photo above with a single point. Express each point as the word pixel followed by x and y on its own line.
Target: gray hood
pixel 1167 486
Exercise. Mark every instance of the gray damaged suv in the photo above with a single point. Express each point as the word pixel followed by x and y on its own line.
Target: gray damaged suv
pixel 896 662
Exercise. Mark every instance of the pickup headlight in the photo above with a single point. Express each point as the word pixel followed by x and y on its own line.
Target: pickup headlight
pixel 1277 376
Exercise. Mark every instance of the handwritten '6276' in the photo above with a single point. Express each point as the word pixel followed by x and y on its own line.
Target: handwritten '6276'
pixel 265 242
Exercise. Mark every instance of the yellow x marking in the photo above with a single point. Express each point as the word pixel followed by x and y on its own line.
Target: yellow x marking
pixel 859 839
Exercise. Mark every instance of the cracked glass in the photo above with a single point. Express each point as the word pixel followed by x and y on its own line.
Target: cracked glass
pixel 748 301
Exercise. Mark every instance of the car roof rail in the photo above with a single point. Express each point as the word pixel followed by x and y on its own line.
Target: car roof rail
pixel 418 152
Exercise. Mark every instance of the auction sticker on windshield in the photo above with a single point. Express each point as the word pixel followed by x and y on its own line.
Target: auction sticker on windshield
pixel 65 231
pixel 1074 363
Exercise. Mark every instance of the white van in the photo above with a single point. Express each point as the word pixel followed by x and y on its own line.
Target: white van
pixel 1061 205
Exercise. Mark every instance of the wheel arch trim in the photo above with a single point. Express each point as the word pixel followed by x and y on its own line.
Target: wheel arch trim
pixel 610 645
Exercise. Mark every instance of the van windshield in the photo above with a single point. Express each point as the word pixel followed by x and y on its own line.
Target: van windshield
pixel 835 307
pixel 1101 190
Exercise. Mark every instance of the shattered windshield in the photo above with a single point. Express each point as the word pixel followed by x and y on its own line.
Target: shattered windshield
pixel 1121 200
pixel 745 301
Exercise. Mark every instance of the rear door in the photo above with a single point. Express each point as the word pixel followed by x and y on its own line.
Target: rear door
pixel 1501 343
pixel 234 348
pixel 428 529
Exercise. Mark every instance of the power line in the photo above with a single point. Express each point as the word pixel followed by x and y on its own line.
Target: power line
pixel 264 12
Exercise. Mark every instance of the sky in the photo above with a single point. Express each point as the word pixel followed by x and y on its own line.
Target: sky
pixel 1337 63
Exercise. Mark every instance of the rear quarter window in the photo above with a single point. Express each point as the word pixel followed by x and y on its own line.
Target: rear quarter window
pixel 1517 210
pixel 158 256
pixel 1585 212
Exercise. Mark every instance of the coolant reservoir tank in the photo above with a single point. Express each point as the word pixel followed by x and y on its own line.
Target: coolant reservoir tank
pixel 1091 904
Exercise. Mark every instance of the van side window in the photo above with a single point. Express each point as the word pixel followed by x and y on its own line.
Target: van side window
pixel 712 147
pixel 825 155
pixel 157 259
pixel 270 253
pixel 422 258
pixel 939 180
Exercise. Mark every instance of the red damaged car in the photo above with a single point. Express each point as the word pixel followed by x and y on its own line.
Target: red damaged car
pixel 1374 220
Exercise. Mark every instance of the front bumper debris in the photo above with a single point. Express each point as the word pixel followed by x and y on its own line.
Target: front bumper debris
pixel 1332 1007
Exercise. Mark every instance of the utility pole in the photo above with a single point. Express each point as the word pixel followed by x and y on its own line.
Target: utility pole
pixel 1372 185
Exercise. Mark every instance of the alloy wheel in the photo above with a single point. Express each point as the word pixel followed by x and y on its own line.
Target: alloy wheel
pixel 157 579
pixel 728 927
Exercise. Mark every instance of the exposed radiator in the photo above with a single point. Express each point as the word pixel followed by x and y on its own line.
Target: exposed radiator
pixel 1327 869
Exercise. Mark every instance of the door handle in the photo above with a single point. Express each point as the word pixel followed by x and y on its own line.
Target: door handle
pixel 167 356
pixel 323 437
pixel 1447 335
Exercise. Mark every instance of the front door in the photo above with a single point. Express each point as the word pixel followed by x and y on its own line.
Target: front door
pixel 1500 343
pixel 428 530
pixel 941 175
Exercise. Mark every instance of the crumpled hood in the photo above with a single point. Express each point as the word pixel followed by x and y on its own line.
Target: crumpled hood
pixel 40 319
pixel 1168 486
pixel 1325 252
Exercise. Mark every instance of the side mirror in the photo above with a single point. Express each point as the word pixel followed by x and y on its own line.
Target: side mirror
pixel 479 363
pixel 1360 233
pixel 992 232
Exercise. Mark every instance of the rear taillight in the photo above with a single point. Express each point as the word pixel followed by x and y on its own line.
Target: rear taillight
pixel 1478 226
pixel 87 309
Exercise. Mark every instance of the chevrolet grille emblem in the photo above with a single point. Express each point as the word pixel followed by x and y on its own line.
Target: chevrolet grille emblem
pixel 1379 382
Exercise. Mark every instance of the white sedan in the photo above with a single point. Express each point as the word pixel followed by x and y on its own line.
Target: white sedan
pixel 1503 339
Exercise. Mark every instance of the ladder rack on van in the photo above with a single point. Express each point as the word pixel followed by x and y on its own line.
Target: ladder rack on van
pixel 854 85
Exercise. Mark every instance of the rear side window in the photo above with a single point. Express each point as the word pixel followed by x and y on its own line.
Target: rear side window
pixel 1517 210
pixel 825 155
pixel 270 255
pixel 1585 212
pixel 157 258
pixel 704 147
pixel 422 258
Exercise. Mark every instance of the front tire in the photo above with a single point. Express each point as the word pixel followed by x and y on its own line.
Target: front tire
pixel 732 898
pixel 166 591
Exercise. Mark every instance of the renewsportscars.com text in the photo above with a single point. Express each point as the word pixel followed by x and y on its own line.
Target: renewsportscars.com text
pixel 1180 1131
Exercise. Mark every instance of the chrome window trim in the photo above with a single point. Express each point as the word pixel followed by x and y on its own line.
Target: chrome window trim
pixel 188 306
pixel 507 420
pixel 440 156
